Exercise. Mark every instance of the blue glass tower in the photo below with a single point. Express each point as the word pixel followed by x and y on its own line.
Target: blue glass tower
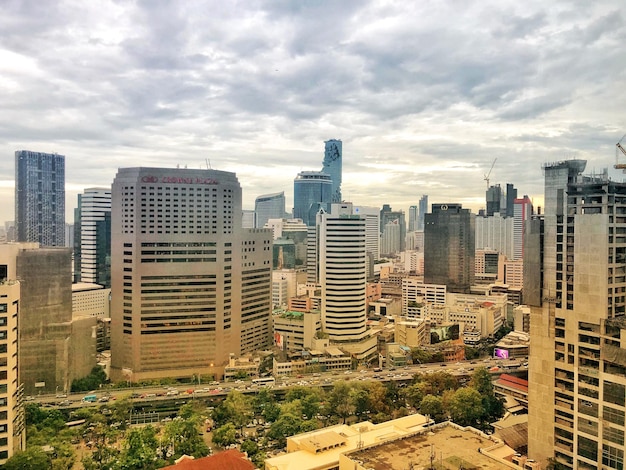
pixel 332 166
pixel 312 191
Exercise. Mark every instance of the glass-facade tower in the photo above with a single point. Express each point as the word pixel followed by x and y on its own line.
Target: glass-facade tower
pixel 312 191
pixel 40 197
pixel 332 166
pixel 269 206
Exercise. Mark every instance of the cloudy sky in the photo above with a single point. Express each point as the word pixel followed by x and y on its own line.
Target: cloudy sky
pixel 423 94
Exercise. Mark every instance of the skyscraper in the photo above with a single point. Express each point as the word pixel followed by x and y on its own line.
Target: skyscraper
pixel 413 218
pixel 92 239
pixel 269 206
pixel 522 211
pixel 40 197
pixel 423 204
pixel 332 166
pixel 494 199
pixel 189 285
pixel 511 196
pixel 397 218
pixel 312 191
pixel 449 247
pixel 577 369
pixel 342 273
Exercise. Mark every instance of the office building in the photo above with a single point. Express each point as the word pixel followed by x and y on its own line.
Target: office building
pixel 413 218
pixel 372 235
pixel 248 219
pixel 312 191
pixel 397 217
pixel 269 206
pixel 577 367
pixel 40 197
pixel 92 239
pixel 449 247
pixel 189 285
pixel 390 239
pixel 494 199
pixel 12 418
pixel 423 209
pixel 341 258
pixel 511 196
pixel 332 166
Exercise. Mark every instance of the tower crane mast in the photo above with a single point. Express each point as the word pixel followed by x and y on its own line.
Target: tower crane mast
pixel 618 146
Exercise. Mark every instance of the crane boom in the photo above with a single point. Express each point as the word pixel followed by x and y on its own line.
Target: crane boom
pixel 486 178
pixel 618 146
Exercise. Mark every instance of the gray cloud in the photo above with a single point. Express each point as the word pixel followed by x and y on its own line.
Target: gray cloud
pixel 423 95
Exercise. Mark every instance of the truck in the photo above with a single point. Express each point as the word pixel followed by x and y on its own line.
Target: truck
pixel 90 398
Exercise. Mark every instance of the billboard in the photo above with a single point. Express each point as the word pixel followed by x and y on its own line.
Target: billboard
pixel 279 340
pixel 501 353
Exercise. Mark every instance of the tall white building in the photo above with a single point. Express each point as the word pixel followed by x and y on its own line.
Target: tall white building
pixel 92 248
pixel 495 232
pixel 372 229
pixel 189 285
pixel 341 257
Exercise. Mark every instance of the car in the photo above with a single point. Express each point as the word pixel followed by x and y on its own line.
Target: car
pixel 172 392
pixel 65 403
pixel 104 399
pixel 61 395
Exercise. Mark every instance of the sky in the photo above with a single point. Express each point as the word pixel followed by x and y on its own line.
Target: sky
pixel 425 95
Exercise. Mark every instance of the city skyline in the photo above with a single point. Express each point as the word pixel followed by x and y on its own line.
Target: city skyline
pixel 424 97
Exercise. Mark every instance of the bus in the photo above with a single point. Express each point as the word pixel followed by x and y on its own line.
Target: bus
pixel 90 398
pixel 264 381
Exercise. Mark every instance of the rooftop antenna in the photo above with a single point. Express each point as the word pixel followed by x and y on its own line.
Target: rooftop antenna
pixel 208 164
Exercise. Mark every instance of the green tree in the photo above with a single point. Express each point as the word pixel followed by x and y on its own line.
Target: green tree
pixel 465 407
pixel 33 458
pixel 359 397
pixel 433 406
pixel 139 451
pixel 286 425
pixel 225 435
pixel 413 395
pixel 184 436
pixel 262 399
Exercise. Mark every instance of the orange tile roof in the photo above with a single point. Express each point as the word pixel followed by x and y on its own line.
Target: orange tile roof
pixel 226 460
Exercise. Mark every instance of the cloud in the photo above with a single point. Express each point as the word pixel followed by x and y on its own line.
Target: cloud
pixel 424 95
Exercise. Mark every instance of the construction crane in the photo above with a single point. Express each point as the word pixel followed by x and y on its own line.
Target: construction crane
pixel 490 170
pixel 618 146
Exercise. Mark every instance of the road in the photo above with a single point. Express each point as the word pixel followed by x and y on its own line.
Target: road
pixel 323 379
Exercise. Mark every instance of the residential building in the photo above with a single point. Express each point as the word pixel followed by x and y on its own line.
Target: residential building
pixel 40 197
pixel 12 417
pixel 413 219
pixel 92 237
pixel 577 367
pixel 189 285
pixel 332 166
pixel 449 247
pixel 495 233
pixel 312 191
pixel 412 333
pixel 390 240
pixel 269 206
pixel 388 215
pixel 522 212
pixel 372 230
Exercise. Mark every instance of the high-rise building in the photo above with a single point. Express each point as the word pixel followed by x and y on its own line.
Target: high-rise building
pixel 189 285
pixel 577 367
pixel 423 207
pixel 522 211
pixel 40 197
pixel 390 240
pixel 332 165
pixel 388 215
pixel 341 257
pixel 269 206
pixel 312 191
pixel 449 247
pixel 92 237
pixel 511 196
pixel 413 218
pixel 12 425
pixel 372 230
pixel 494 199
pixel 496 232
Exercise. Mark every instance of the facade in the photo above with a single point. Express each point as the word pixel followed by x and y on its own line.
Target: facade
pixel 413 218
pixel 189 285
pixel 45 318
pixel 412 333
pixel 577 367
pixel 12 417
pixel 269 206
pixel 390 240
pixel 496 233
pixel 372 230
pixel 423 208
pixel 522 212
pixel 449 247
pixel 40 197
pixel 295 330
pixel 92 237
pixel 388 215
pixel 493 198
pixel 312 191
pixel 332 165
pixel 248 219
pixel 90 300
pixel 511 196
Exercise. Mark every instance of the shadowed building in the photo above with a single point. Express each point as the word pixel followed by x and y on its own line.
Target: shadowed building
pixel 449 247
pixel 312 191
